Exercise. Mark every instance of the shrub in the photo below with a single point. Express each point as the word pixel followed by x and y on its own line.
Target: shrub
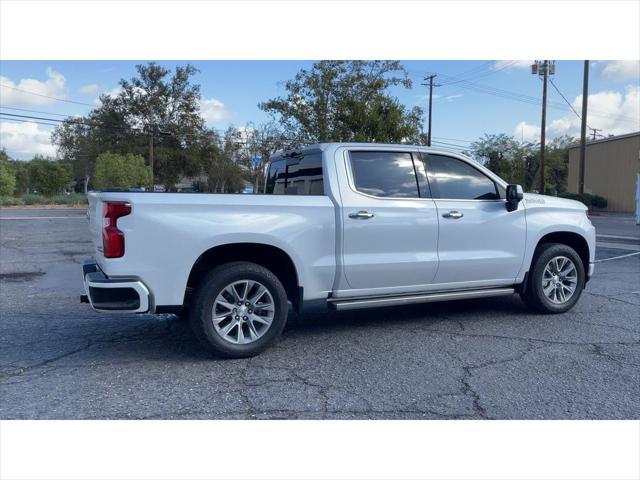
pixel 594 201
pixel 599 202
pixel 35 199
pixel 71 199
pixel 7 201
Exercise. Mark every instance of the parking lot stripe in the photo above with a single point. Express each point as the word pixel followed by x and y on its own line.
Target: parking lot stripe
pixel 616 258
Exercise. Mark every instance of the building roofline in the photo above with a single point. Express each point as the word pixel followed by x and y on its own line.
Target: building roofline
pixel 609 139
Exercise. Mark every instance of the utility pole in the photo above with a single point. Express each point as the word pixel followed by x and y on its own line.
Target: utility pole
pixel 151 159
pixel 543 69
pixel 595 132
pixel 583 126
pixel 431 85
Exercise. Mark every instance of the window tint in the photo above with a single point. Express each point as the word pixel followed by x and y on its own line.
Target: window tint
pixel 453 178
pixel 300 175
pixel 384 174
pixel 276 177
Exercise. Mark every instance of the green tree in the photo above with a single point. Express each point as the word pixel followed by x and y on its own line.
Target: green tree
pixel 49 177
pixel 557 164
pixel 346 101
pixel 113 170
pixel 7 175
pixel 157 106
pixel 500 154
pixel 22 176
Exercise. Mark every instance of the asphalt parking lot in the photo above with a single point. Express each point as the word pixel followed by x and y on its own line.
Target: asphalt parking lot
pixel 488 358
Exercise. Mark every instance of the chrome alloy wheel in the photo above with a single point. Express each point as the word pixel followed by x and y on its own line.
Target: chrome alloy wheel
pixel 559 279
pixel 243 311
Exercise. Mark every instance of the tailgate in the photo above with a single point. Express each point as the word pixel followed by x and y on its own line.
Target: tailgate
pixel 94 213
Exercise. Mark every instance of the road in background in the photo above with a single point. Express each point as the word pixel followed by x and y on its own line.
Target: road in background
pixel 617 230
pixel 487 358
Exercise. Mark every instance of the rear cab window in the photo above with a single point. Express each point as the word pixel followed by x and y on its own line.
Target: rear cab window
pixel 299 174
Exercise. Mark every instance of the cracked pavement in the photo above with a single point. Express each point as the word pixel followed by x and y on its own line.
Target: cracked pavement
pixel 476 359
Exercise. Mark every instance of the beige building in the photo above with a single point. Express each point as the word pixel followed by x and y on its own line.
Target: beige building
pixel 611 171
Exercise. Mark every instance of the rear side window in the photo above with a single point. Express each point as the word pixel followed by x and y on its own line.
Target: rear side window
pixel 300 175
pixel 455 179
pixel 384 174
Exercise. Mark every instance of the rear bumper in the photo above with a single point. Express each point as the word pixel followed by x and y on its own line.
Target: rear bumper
pixel 121 294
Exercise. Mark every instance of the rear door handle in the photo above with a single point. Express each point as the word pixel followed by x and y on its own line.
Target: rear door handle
pixel 453 214
pixel 361 215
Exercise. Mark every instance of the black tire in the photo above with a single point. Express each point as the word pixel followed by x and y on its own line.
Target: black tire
pixel 200 311
pixel 534 295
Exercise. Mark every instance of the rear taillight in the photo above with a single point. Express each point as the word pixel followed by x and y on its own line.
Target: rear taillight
pixel 112 238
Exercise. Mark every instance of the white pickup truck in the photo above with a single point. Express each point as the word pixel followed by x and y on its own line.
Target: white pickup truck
pixel 344 225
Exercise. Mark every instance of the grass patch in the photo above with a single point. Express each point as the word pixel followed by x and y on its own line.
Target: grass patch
pixel 35 199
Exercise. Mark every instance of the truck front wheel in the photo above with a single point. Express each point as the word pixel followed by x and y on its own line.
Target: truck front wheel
pixel 239 309
pixel 556 279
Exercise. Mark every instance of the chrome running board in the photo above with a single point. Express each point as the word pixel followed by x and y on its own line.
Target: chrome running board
pixel 352 303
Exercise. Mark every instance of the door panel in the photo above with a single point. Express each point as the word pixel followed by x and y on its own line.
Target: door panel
pixel 479 240
pixel 485 244
pixel 397 245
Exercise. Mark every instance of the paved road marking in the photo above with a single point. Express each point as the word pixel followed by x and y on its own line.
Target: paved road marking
pixel 81 217
pixel 619 246
pixel 616 258
pixel 619 237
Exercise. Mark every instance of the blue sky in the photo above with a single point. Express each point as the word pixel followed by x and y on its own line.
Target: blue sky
pixel 231 91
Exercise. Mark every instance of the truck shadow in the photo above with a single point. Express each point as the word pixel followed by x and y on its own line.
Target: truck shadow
pixel 169 339
pixel 418 314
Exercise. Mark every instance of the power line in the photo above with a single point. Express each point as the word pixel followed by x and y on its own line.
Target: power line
pixel 483 74
pixel 29 121
pixel 506 94
pixel 35 111
pixel 445 144
pixel 45 96
pixel 567 101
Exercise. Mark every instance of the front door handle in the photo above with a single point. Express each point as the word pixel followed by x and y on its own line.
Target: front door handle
pixel 453 214
pixel 361 215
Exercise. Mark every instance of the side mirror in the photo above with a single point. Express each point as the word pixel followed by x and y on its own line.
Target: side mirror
pixel 514 195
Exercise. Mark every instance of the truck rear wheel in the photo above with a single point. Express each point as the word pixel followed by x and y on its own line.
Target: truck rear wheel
pixel 556 279
pixel 239 309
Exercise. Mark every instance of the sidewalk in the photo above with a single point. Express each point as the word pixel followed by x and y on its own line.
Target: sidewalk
pixel 616 224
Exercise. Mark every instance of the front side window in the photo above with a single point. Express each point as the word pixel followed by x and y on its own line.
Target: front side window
pixel 455 179
pixel 384 174
pixel 298 175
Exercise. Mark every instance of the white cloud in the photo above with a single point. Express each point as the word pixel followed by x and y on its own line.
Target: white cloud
pixel 506 64
pixel 113 93
pixel 24 140
pixel 527 132
pixel 213 110
pixel 451 98
pixel 621 70
pixel 91 89
pixel 52 87
pixel 615 113
pixel 436 96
